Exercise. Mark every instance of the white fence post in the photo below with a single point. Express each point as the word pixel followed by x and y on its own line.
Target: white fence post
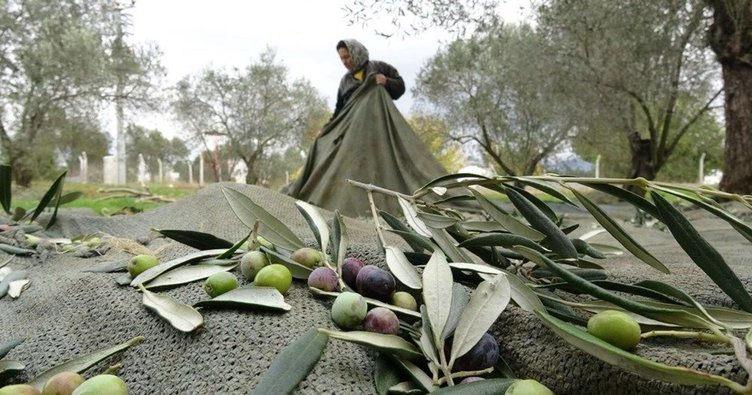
pixel 598 166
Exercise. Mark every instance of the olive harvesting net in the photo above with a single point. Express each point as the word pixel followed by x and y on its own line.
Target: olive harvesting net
pixel 67 312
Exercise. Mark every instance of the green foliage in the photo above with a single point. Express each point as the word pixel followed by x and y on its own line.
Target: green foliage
pixel 153 146
pixel 564 266
pixel 498 90
pixel 256 111
pixel 433 131
pixel 705 136
pixel 65 61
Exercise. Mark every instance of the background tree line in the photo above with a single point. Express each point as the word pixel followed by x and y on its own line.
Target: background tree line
pixel 646 80
pixel 648 86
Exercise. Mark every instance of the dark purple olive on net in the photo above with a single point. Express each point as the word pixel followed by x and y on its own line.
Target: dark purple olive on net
pixel 374 282
pixel 323 278
pixel 350 269
pixel 381 320
pixel 483 355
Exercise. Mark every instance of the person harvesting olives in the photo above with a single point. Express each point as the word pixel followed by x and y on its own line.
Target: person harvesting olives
pixel 366 140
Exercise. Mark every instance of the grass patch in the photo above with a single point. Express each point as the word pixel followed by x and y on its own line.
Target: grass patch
pixel 94 196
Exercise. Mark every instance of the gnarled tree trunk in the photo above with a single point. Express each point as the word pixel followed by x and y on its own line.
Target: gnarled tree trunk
pixel 730 37
pixel 737 174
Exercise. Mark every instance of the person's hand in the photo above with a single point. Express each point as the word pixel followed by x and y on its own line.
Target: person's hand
pixel 381 79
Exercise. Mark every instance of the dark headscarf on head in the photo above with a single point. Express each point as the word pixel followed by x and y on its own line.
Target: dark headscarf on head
pixel 358 52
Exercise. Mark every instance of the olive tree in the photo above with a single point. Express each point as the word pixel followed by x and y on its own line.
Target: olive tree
pixel 56 60
pixel 498 90
pixel 643 58
pixel 257 110
pixel 730 37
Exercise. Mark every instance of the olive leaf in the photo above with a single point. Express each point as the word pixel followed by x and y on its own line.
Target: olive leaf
pixel 316 222
pixel 411 216
pixel 669 315
pixel 613 228
pixel 123 279
pixel 249 212
pixel 181 316
pixel 9 278
pixel 154 272
pixel 446 243
pixel 419 377
pixel 634 289
pixel 53 192
pixel 5 191
pixel 630 362
pixel 426 338
pixel 340 241
pixel 111 267
pixel 483 226
pixel 449 179
pixel 385 375
pixel 67 198
pixel 584 248
pixel 541 205
pixel 475 267
pixel 437 221
pixel 389 344
pixel 520 293
pixel 507 240
pixel 488 386
pixel 702 253
pixel 187 274
pixel 231 251
pixel 293 364
pixel 249 296
pixel 677 293
pixel 487 302
pixel 15 250
pixel 556 239
pixel 197 240
pixel 623 194
pixel 415 241
pixel 402 268
pixel 7 366
pixel 437 293
pixel 507 221
pixel 297 270
pixel 460 298
pixel 7 347
pixel 82 363
pixel 16 287
pixel 551 191
pixel 740 226
pixel 405 388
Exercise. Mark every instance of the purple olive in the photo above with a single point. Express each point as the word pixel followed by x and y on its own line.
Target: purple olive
pixel 323 278
pixel 483 355
pixel 374 282
pixel 381 320
pixel 350 269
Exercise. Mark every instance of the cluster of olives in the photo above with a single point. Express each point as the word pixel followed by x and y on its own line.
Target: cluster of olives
pixel 71 383
pixel 350 310
pixel 256 267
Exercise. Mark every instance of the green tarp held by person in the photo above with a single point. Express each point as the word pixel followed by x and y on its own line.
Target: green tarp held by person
pixel 367 140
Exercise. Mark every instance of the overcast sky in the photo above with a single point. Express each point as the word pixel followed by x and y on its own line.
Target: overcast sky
pixel 195 34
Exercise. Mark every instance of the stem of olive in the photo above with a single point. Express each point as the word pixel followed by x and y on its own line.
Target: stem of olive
pixel 709 337
pixel 461 375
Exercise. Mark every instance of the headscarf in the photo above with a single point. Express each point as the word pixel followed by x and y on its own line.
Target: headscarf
pixel 358 52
